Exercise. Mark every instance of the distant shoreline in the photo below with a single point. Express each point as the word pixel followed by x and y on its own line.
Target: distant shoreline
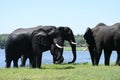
pixel 77 48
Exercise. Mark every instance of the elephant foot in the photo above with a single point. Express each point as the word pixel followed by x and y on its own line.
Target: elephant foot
pixel 36 67
pixel 22 65
pixel 7 66
pixel 71 62
pixel 117 65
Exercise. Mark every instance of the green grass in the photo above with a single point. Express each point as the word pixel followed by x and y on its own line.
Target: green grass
pixel 62 72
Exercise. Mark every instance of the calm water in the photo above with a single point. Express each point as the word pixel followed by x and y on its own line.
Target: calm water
pixel 82 57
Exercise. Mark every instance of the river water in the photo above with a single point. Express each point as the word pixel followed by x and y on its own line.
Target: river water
pixel 82 57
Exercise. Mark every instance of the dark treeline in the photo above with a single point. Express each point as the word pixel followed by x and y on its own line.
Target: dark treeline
pixel 79 39
pixel 3 38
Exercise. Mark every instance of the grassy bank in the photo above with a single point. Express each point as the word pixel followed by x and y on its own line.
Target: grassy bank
pixel 77 48
pixel 62 72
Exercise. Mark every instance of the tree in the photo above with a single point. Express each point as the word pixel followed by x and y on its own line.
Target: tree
pixel 3 38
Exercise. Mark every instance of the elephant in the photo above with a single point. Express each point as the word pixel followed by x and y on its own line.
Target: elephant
pixel 19 43
pixel 103 37
pixel 59 36
pixel 28 36
pixel 61 33
pixel 43 32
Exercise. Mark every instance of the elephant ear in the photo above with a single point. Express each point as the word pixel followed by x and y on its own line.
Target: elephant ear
pixel 88 36
pixel 40 37
pixel 51 32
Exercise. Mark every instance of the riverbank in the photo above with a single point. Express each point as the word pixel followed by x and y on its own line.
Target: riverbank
pixel 77 48
pixel 83 71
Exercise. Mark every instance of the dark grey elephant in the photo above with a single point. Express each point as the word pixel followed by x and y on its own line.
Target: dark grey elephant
pixel 65 33
pixel 23 42
pixel 59 36
pixel 19 43
pixel 106 38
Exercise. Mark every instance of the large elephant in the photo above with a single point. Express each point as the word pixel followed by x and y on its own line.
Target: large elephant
pixel 22 42
pixel 106 38
pixel 58 36
pixel 65 33
pixel 19 43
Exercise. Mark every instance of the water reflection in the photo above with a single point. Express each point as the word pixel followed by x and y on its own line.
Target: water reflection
pixel 82 57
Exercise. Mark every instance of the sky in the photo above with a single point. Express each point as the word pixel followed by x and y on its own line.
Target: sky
pixel 76 14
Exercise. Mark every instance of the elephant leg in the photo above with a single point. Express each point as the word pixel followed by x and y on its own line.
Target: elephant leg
pixel 107 54
pixel 23 60
pixel 91 50
pixel 39 60
pixel 15 61
pixel 98 52
pixel 118 58
pixel 36 62
pixel 8 63
pixel 52 51
pixel 30 59
pixel 97 59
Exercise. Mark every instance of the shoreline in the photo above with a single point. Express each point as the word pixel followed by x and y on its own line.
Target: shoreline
pixel 77 48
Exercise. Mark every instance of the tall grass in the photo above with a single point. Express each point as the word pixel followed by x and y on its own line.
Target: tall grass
pixel 62 72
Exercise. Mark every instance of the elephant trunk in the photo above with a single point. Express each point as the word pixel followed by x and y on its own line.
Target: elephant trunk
pixel 59 61
pixel 73 46
pixel 58 50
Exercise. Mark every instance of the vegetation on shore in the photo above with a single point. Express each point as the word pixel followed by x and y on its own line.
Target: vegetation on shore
pixel 77 48
pixel 79 40
pixel 79 71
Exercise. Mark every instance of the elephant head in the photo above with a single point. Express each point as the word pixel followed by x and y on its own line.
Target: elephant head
pixel 60 35
pixel 88 36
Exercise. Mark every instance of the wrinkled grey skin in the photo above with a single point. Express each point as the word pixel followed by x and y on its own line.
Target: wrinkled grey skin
pixel 65 33
pixel 103 37
pixel 19 43
pixel 59 35
pixel 42 37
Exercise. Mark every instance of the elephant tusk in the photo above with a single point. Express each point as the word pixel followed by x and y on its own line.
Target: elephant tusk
pixel 73 43
pixel 59 46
